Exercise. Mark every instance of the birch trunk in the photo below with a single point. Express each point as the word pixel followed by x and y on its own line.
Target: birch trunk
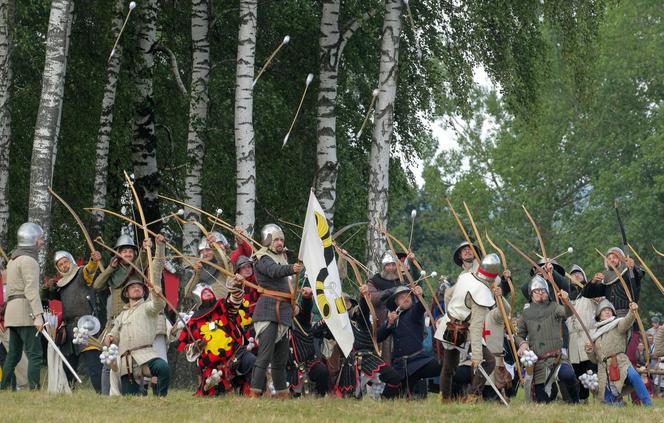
pixel 379 158
pixel 106 124
pixel 144 139
pixel 6 23
pixel 198 111
pixel 245 211
pixel 331 47
pixel 325 185
pixel 47 125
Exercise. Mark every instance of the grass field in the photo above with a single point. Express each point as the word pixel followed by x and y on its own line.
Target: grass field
pixel 84 406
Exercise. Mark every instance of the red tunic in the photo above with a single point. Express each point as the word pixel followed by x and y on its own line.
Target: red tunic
pixel 223 328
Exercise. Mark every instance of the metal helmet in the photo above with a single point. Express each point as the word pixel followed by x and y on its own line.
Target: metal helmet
pixel 218 237
pixel 601 306
pixel 241 261
pixel 28 234
pixel 203 244
pixel 457 252
pixel 537 282
pixel 388 258
pixel 488 269
pixel 556 266
pixel 125 241
pixel 391 300
pixel 269 233
pixel 577 269
pixel 63 254
pixel 613 250
pixel 133 280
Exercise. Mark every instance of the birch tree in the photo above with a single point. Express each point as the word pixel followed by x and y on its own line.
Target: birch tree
pixel 106 123
pixel 47 127
pixel 144 138
pixel 6 22
pixel 245 148
pixel 326 147
pixel 331 46
pixel 198 112
pixel 379 158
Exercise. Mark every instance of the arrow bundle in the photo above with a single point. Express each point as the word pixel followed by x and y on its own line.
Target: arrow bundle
pixel 529 358
pixel 109 354
pixel 589 380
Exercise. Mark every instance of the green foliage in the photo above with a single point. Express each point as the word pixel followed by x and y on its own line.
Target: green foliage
pixel 592 137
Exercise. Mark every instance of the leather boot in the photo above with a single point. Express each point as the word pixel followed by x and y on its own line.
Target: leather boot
pixel 255 394
pixel 282 395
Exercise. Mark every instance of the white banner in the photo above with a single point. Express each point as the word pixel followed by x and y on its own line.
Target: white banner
pixel 320 263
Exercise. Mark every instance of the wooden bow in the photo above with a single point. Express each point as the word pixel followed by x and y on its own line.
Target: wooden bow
pixel 552 281
pixel 146 232
pixel 213 218
pixel 231 275
pixel 507 321
pixel 503 260
pixel 338 233
pixel 170 305
pixel 411 281
pixel 418 266
pixel 78 220
pixel 647 269
pixel 543 249
pixel 135 223
pixel 637 316
pixel 205 232
pixel 367 298
pixel 463 230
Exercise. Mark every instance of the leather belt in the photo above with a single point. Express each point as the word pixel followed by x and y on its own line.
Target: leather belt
pixel 16 297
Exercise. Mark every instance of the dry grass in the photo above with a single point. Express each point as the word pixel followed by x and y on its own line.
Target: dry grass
pixel 180 406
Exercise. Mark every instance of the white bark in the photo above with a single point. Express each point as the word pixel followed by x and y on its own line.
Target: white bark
pixel 379 159
pixel 245 211
pixel 48 117
pixel 198 111
pixel 106 124
pixel 144 139
pixel 6 23
pixel 331 46
pixel 326 148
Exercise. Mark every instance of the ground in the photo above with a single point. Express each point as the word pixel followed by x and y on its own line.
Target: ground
pixel 180 406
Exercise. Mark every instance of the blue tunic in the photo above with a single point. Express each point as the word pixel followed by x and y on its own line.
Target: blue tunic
pixel 408 335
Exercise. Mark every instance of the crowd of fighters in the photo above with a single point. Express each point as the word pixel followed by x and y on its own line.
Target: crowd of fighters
pixel 249 333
